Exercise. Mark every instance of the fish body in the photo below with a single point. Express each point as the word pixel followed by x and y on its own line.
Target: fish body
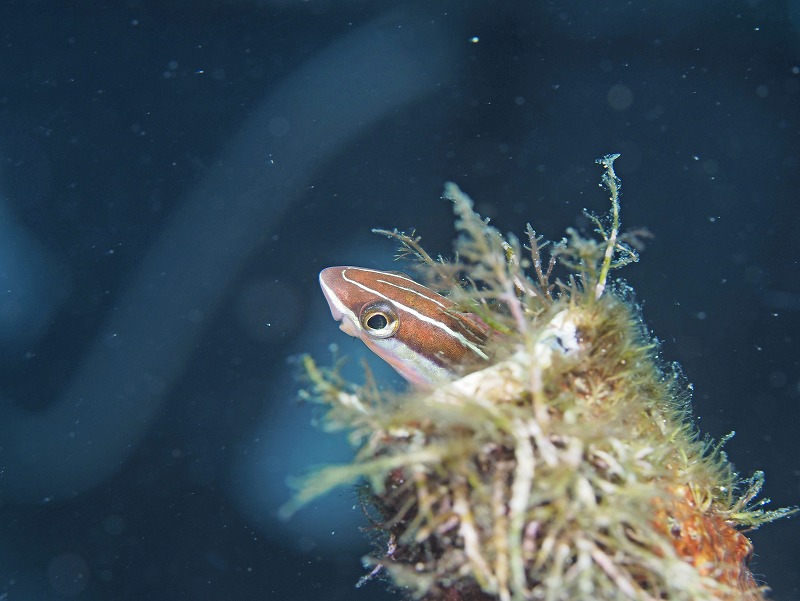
pixel 417 331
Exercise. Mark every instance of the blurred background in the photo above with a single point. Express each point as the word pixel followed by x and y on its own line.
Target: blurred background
pixel 174 174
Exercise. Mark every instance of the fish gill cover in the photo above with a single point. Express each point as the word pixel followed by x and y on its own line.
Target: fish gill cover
pixel 567 467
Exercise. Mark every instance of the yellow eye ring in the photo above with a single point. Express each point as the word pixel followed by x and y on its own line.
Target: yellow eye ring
pixel 379 320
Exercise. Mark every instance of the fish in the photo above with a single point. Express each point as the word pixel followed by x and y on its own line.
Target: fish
pixel 417 331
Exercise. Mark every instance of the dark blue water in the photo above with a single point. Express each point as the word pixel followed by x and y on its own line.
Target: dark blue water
pixel 175 174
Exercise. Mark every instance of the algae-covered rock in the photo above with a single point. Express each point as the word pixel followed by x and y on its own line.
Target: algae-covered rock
pixel 563 467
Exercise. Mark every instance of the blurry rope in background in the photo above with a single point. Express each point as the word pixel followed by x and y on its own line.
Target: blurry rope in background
pixel 85 435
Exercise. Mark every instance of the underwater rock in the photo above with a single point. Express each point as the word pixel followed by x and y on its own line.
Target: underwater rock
pixel 565 466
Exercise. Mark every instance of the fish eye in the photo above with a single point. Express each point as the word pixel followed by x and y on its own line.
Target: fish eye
pixel 379 320
pixel 376 321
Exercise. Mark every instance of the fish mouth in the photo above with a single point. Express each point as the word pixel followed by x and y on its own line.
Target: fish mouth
pixel 334 303
pixel 339 310
pixel 346 326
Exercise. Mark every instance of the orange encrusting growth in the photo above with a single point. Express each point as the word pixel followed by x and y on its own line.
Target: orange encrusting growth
pixel 704 538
